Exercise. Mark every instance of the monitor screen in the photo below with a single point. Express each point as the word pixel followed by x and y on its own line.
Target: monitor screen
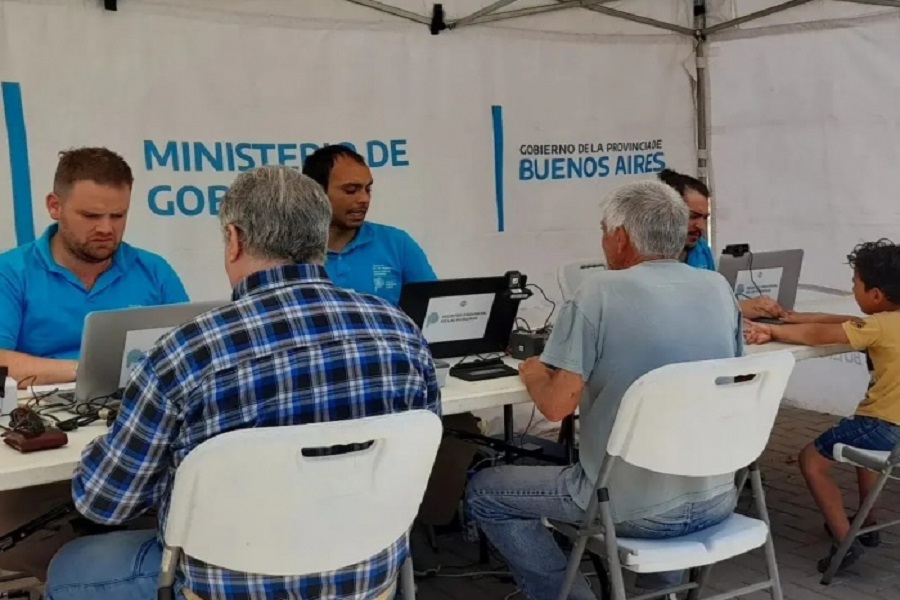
pixel 758 282
pixel 462 317
pixel 137 343
pixel 457 318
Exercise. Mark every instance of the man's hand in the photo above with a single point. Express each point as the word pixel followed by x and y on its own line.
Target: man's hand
pixel 757 333
pixel 532 369
pixel 762 306
pixel 795 318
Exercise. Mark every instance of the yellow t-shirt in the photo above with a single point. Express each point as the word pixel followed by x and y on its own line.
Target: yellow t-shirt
pixel 879 334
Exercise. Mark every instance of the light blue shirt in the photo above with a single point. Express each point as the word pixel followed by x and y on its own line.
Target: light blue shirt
pixel 43 305
pixel 619 326
pixel 378 261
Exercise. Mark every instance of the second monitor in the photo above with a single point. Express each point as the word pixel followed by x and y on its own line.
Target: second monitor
pixel 773 274
pixel 467 317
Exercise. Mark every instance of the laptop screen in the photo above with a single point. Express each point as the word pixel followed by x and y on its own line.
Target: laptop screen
pixel 137 343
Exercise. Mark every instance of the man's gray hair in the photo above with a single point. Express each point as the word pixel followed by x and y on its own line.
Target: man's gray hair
pixel 654 216
pixel 280 213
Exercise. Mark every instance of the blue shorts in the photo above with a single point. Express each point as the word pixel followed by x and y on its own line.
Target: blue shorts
pixel 865 433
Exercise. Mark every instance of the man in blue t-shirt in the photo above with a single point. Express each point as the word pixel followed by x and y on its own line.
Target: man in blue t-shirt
pixel 378 259
pixel 79 265
pixel 697 252
pixel 366 257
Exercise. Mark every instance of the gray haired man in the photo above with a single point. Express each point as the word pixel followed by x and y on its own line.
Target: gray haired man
pixel 621 324
pixel 291 348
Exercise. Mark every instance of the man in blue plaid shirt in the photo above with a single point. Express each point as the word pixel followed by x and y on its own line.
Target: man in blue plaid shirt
pixel 291 348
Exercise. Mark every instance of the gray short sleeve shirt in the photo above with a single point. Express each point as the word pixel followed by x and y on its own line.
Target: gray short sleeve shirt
pixel 619 326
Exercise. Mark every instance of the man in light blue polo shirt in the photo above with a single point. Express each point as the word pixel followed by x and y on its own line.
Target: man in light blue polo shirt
pixel 697 252
pixel 621 324
pixel 378 259
pixel 362 256
pixel 79 265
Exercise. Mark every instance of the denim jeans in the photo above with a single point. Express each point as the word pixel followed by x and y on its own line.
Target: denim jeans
pixel 124 565
pixel 509 503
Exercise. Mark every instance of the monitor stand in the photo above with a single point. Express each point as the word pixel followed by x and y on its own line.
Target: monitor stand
pixel 480 370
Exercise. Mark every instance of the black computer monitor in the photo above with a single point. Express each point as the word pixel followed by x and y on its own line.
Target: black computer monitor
pixel 463 317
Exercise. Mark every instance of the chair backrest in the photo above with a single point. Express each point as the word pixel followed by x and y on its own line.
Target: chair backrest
pixel 571 275
pixel 251 501
pixel 693 419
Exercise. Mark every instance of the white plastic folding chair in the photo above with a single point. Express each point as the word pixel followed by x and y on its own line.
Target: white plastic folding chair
pixel 883 463
pixel 696 419
pixel 570 275
pixel 257 501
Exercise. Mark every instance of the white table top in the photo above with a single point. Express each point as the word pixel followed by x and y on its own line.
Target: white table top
pixel 457 396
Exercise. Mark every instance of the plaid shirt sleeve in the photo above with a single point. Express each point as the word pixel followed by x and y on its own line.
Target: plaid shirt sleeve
pixel 433 390
pixel 127 471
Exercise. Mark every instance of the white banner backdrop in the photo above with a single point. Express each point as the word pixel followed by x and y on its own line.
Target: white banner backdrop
pixel 492 149
pixel 804 143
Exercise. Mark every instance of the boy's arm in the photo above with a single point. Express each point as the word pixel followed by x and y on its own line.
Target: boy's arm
pixel 798 318
pixel 810 334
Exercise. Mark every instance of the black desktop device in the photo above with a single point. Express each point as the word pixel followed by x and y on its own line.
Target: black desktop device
pixel 468 301
pixel 525 344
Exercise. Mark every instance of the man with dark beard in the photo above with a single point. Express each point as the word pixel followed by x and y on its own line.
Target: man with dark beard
pixel 366 257
pixel 697 252
pixel 79 265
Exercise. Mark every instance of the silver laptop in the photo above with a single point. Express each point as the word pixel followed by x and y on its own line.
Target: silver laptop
pixel 772 274
pixel 113 341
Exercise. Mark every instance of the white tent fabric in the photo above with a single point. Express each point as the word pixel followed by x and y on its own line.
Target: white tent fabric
pixel 494 140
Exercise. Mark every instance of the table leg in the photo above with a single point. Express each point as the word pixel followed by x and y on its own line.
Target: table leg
pixel 508 431
pixel 569 441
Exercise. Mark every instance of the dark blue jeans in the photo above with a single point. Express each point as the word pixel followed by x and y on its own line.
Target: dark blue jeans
pixel 124 565
pixel 865 433
pixel 509 503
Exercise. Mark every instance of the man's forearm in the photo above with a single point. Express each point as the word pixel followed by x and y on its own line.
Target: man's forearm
pixel 539 390
pixel 553 403
pixel 32 370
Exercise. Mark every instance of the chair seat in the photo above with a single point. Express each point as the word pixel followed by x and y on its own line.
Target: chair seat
pixel 844 453
pixel 736 535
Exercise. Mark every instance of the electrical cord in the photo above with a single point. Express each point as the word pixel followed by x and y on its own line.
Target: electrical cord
pixel 752 280
pixel 519 328
pixel 25 421
pixel 493 356
pixel 527 427
pixel 552 304
pixel 95 409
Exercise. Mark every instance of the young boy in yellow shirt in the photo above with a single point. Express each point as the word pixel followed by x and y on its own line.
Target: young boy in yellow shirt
pixel 876 424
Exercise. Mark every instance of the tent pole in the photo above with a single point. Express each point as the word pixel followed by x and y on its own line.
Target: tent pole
pixel 703 112
pixel 612 12
pixel 755 15
pixel 393 10
pixel 480 13
pixel 889 3
pixel 533 10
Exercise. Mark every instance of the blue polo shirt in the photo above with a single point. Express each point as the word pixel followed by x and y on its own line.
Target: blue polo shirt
pixel 378 261
pixel 701 256
pixel 43 305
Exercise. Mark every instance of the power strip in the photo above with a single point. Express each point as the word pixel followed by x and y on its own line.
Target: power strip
pixel 10 400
